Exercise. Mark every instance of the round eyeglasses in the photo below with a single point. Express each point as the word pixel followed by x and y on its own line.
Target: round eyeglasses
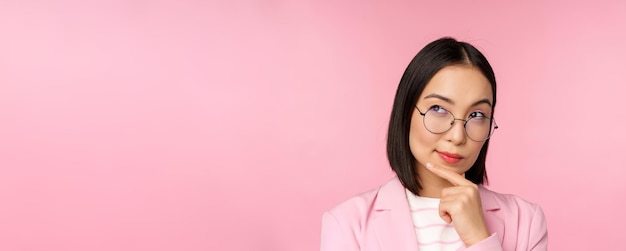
pixel 478 127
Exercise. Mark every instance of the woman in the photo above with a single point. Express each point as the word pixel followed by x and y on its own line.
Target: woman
pixel 439 131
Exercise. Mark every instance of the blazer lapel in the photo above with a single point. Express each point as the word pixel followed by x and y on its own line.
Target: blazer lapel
pixel 490 206
pixel 393 222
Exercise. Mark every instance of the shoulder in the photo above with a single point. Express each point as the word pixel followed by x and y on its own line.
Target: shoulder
pixel 358 209
pixel 356 206
pixel 344 225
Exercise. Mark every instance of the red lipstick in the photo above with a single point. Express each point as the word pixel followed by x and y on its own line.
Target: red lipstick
pixel 449 157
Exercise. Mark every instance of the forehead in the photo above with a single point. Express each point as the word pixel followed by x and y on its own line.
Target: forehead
pixel 462 84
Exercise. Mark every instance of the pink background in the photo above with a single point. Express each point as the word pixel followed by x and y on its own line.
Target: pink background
pixel 186 125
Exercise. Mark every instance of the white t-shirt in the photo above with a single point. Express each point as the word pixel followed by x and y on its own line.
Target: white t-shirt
pixel 433 234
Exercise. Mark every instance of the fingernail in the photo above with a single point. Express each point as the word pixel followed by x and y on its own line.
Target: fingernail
pixel 429 166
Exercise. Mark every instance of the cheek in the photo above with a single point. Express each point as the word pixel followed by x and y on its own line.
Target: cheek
pixel 475 151
pixel 421 141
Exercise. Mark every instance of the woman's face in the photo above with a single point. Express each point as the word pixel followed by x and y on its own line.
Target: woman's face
pixel 463 91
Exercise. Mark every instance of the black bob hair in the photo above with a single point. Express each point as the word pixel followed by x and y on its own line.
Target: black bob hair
pixel 432 58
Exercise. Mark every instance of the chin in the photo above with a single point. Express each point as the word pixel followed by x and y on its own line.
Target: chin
pixel 457 167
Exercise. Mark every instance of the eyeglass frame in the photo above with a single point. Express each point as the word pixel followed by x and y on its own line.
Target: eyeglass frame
pixel 454 119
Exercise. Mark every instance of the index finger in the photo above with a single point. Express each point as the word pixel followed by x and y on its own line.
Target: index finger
pixel 454 178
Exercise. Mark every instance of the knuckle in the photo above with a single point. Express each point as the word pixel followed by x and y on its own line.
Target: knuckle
pixel 465 199
pixel 458 207
pixel 471 189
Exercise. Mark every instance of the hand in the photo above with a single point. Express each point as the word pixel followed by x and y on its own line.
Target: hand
pixel 461 204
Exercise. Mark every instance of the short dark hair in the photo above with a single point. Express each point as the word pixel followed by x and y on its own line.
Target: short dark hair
pixel 432 58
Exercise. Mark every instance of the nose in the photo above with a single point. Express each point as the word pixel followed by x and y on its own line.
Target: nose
pixel 456 134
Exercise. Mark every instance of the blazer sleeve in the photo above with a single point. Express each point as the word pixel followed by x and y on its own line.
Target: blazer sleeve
pixel 337 236
pixel 491 243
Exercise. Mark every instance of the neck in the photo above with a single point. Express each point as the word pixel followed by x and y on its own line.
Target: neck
pixel 431 183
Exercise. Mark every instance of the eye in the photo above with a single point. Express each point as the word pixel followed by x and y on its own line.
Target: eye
pixel 438 109
pixel 477 115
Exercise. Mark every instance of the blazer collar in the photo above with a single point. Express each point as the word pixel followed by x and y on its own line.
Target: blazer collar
pixel 394 223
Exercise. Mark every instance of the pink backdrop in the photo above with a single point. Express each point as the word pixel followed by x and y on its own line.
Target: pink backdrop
pixel 183 125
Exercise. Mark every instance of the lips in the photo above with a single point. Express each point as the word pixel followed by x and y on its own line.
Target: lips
pixel 449 157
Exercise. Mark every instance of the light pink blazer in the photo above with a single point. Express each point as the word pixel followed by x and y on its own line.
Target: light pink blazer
pixel 380 219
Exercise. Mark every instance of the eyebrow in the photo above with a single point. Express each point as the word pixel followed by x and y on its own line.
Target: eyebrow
pixel 448 100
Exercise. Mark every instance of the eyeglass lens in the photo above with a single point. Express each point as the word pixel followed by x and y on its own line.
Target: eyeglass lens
pixel 440 121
